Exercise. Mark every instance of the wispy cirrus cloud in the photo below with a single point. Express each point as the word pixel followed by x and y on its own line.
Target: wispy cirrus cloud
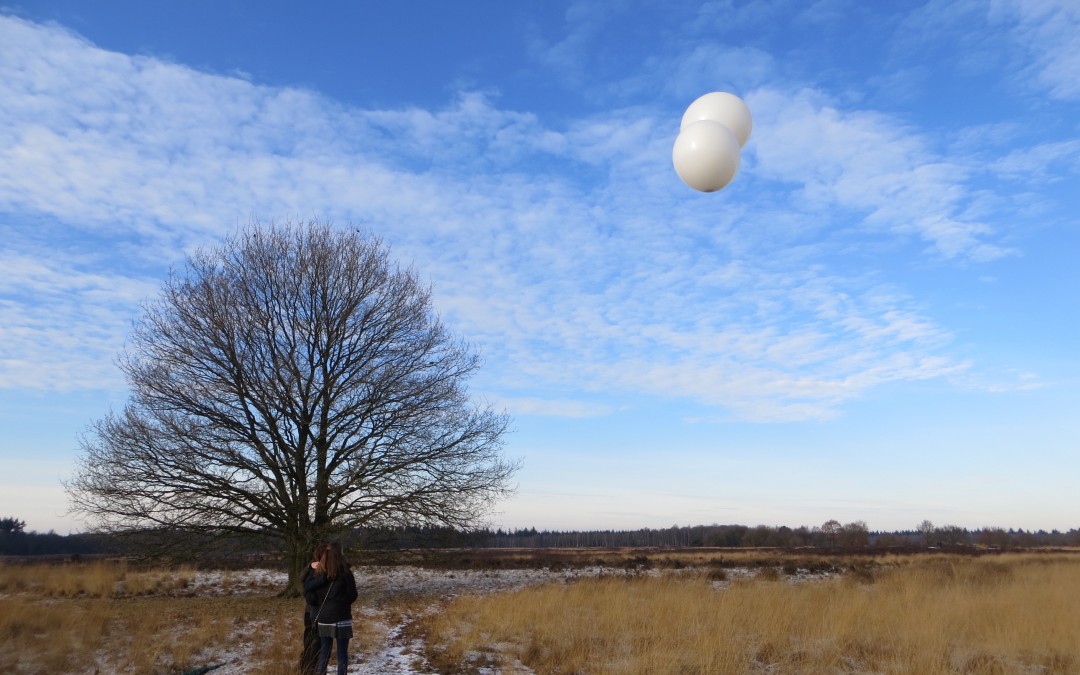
pixel 61 320
pixel 1031 42
pixel 570 254
pixel 1048 30
pixel 873 166
pixel 1042 163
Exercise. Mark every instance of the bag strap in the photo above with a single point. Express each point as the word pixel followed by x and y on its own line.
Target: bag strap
pixel 324 600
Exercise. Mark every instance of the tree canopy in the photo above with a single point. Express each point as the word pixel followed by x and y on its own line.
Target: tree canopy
pixel 292 382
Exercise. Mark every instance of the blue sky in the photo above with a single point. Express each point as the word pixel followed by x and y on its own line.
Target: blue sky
pixel 877 320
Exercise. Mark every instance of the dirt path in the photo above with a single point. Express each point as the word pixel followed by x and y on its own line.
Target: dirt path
pixel 397 654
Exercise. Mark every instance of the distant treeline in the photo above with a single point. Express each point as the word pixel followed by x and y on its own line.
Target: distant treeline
pixel 830 535
pixel 853 535
pixel 49 543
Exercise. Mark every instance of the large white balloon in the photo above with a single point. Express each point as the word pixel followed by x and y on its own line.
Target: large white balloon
pixel 706 155
pixel 727 109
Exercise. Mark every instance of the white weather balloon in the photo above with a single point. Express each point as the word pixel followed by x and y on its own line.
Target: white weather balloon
pixel 706 155
pixel 727 109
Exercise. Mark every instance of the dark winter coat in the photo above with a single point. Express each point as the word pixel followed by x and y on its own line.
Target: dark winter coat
pixel 309 609
pixel 334 597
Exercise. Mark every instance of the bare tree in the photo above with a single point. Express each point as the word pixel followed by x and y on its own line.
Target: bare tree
pixel 926 531
pixel 292 383
pixel 855 534
pixel 951 535
pixel 831 530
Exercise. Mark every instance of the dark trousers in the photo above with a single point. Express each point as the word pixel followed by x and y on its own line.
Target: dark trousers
pixel 309 657
pixel 342 655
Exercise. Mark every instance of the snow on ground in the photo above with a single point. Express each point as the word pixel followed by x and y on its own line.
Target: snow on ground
pixel 396 653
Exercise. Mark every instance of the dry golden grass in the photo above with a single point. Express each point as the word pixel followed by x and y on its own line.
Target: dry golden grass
pixel 94 580
pixel 107 617
pixel 147 634
pixel 929 614
pixel 1006 614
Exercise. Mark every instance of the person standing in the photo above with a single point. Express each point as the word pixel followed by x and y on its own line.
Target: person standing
pixel 309 656
pixel 331 587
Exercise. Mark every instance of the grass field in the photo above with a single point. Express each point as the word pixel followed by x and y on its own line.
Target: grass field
pixel 104 617
pixel 1005 614
pixel 634 612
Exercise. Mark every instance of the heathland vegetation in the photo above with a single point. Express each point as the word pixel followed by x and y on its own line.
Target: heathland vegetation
pixel 1006 614
pixel 626 611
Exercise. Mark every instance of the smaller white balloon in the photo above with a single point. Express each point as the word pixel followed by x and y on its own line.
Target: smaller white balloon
pixel 706 155
pixel 727 109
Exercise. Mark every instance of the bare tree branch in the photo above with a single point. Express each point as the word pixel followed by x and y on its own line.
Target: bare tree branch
pixel 291 382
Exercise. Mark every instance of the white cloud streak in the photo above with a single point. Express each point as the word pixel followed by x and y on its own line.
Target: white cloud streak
pixel 1034 43
pixel 570 255
pixel 870 165
pixel 59 322
pixel 1050 31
